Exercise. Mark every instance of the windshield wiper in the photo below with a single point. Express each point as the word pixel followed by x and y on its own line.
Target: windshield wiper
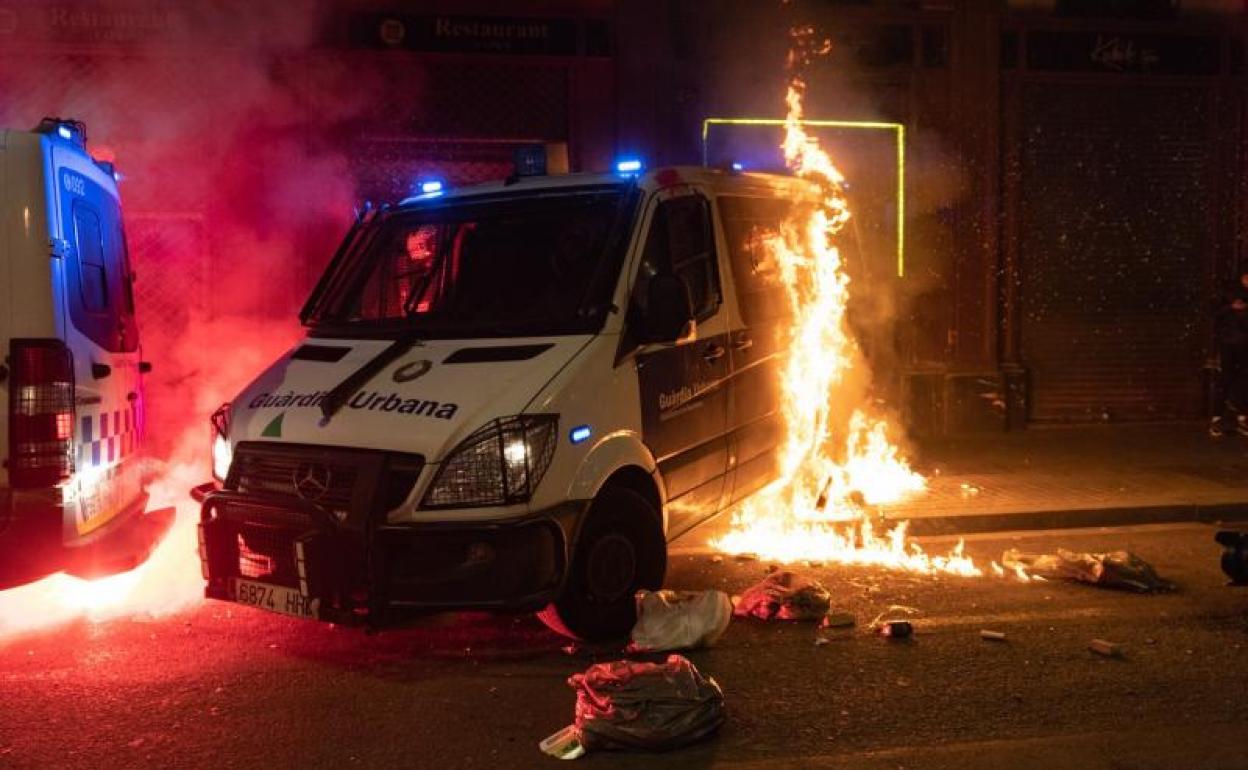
pixel 338 396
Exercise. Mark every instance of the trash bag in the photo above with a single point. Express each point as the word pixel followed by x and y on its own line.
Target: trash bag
pixel 652 706
pixel 679 620
pixel 1234 555
pixel 1117 569
pixel 783 595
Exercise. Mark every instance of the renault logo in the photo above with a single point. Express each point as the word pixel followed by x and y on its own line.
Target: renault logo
pixel 311 481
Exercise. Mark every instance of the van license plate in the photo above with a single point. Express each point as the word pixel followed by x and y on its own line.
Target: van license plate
pixel 280 599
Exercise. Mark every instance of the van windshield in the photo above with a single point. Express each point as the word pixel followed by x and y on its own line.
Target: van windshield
pixel 518 265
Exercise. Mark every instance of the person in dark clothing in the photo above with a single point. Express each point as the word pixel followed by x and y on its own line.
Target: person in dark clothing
pixel 1230 396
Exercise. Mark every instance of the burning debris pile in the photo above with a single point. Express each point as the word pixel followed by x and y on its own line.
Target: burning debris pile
pixel 833 466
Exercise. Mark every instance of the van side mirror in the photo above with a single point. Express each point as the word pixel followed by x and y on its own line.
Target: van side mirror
pixel 669 311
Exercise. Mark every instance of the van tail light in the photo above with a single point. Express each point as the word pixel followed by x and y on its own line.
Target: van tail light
pixel 41 413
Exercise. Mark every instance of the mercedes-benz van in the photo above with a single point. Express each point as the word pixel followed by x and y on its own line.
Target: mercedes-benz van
pixel 71 382
pixel 510 396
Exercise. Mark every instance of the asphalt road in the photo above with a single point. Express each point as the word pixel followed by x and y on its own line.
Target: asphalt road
pixel 227 686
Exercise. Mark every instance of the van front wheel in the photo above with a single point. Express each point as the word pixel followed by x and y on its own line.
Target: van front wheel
pixel 620 550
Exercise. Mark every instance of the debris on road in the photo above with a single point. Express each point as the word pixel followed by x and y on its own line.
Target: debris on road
pixel 992 636
pixel 1108 649
pixel 782 595
pixel 1117 569
pixel 628 705
pixel 835 619
pixel 679 620
pixel 1234 555
pixel 564 744
pixel 896 629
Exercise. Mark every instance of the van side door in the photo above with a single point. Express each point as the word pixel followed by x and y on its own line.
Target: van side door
pixel 683 387
pixel 756 340
pixel 101 332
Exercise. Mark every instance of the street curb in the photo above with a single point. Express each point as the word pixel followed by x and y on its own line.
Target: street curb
pixel 975 523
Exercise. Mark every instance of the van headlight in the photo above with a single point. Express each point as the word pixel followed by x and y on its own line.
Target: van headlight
pixel 222 454
pixel 499 464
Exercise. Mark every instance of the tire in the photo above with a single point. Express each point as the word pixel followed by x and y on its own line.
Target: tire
pixel 620 550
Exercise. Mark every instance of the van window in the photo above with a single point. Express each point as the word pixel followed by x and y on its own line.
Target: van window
pixel 681 241
pixel 521 265
pixel 749 224
pixel 101 298
pixel 92 275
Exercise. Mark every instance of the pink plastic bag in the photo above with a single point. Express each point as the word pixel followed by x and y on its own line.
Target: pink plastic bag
pixel 784 596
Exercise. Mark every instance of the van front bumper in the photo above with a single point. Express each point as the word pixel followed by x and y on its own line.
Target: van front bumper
pixel 385 573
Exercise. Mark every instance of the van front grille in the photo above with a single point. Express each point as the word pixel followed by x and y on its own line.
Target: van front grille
pixel 327 483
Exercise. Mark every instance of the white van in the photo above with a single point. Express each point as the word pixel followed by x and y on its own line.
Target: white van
pixel 71 422
pixel 511 396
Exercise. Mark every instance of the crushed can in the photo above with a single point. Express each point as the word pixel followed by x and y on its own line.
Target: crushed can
pixel 896 629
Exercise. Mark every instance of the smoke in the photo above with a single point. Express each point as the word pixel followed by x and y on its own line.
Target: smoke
pixel 235 190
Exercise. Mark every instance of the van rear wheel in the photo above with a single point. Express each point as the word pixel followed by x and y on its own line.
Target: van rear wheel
pixel 620 550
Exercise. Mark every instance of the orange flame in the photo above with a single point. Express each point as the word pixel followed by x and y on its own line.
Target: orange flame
pixel 817 511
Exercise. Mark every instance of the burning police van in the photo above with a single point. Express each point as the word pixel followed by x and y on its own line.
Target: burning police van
pixel 511 396
pixel 71 425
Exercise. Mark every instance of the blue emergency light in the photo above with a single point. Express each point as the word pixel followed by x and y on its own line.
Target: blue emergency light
pixel 738 166
pixel 431 187
pixel 579 433
pixel 628 166
pixel 65 132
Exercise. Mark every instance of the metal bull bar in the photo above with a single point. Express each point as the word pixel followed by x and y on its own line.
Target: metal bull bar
pixel 300 542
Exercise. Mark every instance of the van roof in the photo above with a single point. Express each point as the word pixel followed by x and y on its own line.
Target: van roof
pixel 718 180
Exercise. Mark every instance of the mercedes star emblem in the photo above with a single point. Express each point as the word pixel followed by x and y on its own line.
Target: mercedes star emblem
pixel 311 481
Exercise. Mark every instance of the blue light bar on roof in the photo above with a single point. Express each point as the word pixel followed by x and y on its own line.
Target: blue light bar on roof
pixel 628 166
pixel 65 132
pixel 431 187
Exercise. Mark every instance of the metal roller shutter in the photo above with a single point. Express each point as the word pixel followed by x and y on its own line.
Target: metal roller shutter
pixel 1115 245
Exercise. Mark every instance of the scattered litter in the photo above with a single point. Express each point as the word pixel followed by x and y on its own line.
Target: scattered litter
pixel 783 595
pixel 837 619
pixel 992 636
pixel 896 629
pixel 564 744
pixel 679 620
pixel 1234 555
pixel 1108 649
pixel 629 705
pixel 1117 569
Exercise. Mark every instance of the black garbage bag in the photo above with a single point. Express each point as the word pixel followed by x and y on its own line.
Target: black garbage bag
pixel 652 706
pixel 1116 569
pixel 1234 555
pixel 783 595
